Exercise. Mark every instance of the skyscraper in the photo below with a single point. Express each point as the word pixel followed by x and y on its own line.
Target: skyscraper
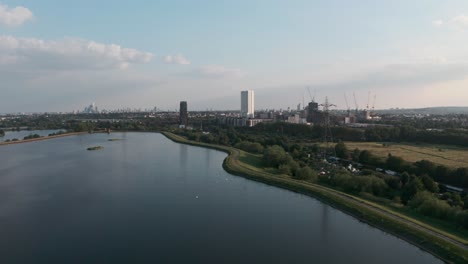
pixel 183 115
pixel 247 104
pixel 313 113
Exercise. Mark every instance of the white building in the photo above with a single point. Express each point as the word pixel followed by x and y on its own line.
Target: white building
pixel 247 104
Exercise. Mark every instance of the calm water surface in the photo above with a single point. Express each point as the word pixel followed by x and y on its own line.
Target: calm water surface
pixel 146 199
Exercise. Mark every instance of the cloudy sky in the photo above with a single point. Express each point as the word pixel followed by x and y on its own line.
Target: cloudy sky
pixel 60 55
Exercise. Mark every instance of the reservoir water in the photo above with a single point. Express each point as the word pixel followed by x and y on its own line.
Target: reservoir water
pixel 146 199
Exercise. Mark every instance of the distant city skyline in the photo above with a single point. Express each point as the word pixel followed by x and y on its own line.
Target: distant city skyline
pixel 58 56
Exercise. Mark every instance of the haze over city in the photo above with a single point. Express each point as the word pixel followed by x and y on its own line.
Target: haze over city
pixel 60 56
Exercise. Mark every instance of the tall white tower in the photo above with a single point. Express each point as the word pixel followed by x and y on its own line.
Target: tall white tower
pixel 247 104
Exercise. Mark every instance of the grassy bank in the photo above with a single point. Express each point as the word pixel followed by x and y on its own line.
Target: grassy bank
pixel 42 138
pixel 426 237
pixel 450 156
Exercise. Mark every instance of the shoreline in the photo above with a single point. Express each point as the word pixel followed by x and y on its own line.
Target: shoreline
pixel 3 143
pixel 442 246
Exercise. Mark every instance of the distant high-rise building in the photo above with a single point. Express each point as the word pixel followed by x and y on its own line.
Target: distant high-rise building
pixel 313 113
pixel 183 115
pixel 91 109
pixel 247 104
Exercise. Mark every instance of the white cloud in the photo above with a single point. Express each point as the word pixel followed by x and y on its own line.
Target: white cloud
pixel 67 54
pixel 457 22
pixel 176 59
pixel 218 71
pixel 438 23
pixel 14 16
pixel 461 21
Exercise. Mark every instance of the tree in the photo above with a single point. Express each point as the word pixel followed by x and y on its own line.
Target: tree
pixel 223 139
pixel 355 155
pixel 394 163
pixel 304 173
pixel 207 138
pixel 194 136
pixel 462 219
pixel 429 184
pixel 250 147
pixel 427 204
pixel 392 181
pixel 456 200
pixel 425 167
pixel 441 173
pixel 289 168
pixel 341 151
pixel 32 136
pixel 365 157
pixel 405 178
pixel 274 156
pixel 411 188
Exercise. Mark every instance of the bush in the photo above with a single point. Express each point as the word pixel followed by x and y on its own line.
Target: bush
pixel 341 151
pixel 411 189
pixel 32 136
pixel 207 138
pixel 397 199
pixel 462 219
pixel 427 204
pixel 305 173
pixel 429 184
pixel 250 147
pixel 274 156
pixel 289 168
pixel 194 137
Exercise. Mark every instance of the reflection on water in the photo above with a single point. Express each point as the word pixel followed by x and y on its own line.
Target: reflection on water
pixel 324 224
pixel 207 157
pixel 146 199
pixel 183 152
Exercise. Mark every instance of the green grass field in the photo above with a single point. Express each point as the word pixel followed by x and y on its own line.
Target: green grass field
pixel 449 156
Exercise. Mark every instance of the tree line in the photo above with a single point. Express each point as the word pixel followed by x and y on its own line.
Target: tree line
pixel 415 186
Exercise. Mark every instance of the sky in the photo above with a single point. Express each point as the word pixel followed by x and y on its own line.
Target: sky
pixel 60 55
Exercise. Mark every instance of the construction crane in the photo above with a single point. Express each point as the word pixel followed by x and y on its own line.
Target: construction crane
pixel 373 103
pixel 346 101
pixel 368 100
pixel 355 102
pixel 303 101
pixel 311 98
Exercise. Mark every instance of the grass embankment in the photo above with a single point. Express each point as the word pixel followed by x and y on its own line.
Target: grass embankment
pixel 447 228
pixel 42 138
pixel 446 246
pixel 450 156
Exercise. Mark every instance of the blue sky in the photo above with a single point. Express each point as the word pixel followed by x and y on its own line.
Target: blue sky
pixel 62 55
